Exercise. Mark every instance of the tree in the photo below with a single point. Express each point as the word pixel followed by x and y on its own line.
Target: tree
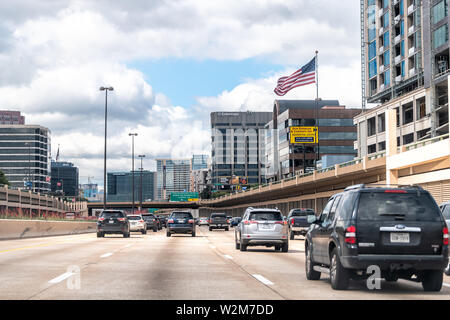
pixel 3 179
pixel 206 193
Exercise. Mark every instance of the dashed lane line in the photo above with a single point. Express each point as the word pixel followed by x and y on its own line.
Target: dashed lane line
pixel 263 280
pixel 61 277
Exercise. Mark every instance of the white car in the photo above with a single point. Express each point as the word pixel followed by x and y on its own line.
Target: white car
pixel 203 221
pixel 137 223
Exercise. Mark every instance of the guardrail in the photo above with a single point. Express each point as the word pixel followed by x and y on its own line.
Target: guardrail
pixel 418 144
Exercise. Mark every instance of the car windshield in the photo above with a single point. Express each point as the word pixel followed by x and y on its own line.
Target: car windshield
pixel 301 213
pixel 134 217
pixel 181 215
pixel 218 215
pixel 417 206
pixel 266 216
pixel 112 214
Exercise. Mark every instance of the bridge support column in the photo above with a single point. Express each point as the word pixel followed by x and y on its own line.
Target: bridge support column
pixel 391 144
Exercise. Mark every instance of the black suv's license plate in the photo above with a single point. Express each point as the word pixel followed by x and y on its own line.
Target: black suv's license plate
pixel 399 237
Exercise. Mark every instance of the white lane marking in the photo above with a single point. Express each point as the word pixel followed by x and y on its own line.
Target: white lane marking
pixel 446 284
pixel 62 277
pixel 262 279
pixel 228 257
pixel 212 247
pixel 128 245
pixel 106 255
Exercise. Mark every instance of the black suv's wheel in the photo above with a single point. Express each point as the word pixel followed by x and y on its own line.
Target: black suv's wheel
pixel 285 247
pixel 339 276
pixel 144 231
pixel 292 235
pixel 311 274
pixel 168 234
pixel 210 229
pixel 100 234
pixel 277 248
pixel 447 270
pixel 242 246
pixel 155 229
pixel 226 229
pixel 432 280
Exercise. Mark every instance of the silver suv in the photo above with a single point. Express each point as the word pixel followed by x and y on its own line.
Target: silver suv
pixel 262 227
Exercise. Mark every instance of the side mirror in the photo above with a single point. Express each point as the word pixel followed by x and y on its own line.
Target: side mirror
pixel 311 218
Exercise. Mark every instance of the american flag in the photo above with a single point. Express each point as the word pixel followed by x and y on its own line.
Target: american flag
pixel 303 76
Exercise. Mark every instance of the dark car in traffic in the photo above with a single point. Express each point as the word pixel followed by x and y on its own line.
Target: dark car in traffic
pixel 399 230
pixel 113 222
pixel 219 221
pixel 298 221
pixel 151 221
pixel 235 221
pixel 180 222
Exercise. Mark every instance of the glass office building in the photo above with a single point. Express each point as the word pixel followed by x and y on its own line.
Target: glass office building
pixel 25 156
pixel 119 186
pixel 173 175
pixel 64 179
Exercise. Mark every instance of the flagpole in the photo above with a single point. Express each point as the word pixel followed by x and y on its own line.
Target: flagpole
pixel 317 108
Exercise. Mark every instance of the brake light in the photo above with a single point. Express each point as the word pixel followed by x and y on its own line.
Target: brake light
pixel 154 219
pixel 251 221
pixel 395 191
pixel 228 221
pixel 101 219
pixel 292 221
pixel 280 222
pixel 170 221
pixel 141 221
pixel 121 219
pixel 350 235
pixel 191 221
pixel 445 236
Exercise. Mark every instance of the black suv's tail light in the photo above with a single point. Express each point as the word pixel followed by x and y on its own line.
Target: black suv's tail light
pixel 191 221
pixel 445 236
pixel 121 219
pixel 350 235
pixel 292 221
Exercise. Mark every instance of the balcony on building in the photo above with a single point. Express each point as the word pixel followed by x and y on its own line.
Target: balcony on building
pixel 381 30
pixel 398 59
pixel 411 9
pixel 381 68
pixel 381 50
pixel 398 78
pixel 412 72
pixel 411 51
pixel 397 39
pixel 411 30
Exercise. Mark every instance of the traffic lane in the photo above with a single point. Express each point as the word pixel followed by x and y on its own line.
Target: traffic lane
pixel 160 267
pixel 287 273
pixel 26 267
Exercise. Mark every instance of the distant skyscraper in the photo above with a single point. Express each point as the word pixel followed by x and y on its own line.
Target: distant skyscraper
pixel 64 178
pixel 11 117
pixel 172 176
pixel 199 161
pixel 120 186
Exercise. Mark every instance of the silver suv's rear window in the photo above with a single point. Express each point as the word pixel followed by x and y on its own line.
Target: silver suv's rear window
pixel 417 206
pixel 265 216
pixel 134 218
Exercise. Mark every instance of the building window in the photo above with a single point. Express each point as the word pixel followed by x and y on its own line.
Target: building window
pixel 372 68
pixel 387 58
pixel 372 50
pixel 372 148
pixel 439 11
pixel 371 129
pixel 381 123
pixel 421 109
pixel 387 78
pixel 382 146
pixel 408 113
pixel 337 136
pixel 440 36
pixel 386 39
pixel 408 138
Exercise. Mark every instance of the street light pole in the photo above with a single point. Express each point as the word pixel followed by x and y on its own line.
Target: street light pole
pixel 104 155
pixel 141 156
pixel 132 169
pixel 29 165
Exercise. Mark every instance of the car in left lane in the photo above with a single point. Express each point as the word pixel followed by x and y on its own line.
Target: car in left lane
pixel 113 222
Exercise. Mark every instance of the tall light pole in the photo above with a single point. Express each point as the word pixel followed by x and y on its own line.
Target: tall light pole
pixel 29 165
pixel 142 168
pixel 104 156
pixel 132 169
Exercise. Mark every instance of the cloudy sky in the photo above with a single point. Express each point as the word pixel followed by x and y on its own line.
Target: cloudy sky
pixel 171 63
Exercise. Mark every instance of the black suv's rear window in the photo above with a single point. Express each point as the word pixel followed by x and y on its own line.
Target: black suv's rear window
pixel 221 215
pixel 301 213
pixel 148 217
pixel 113 214
pixel 414 206
pixel 271 216
pixel 181 215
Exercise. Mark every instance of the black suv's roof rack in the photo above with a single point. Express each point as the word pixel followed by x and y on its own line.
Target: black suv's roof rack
pixel 381 185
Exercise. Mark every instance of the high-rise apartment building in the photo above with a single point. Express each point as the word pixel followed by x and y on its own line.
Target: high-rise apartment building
pixel 405 57
pixel 173 175
pixel 25 156
pixel 120 186
pixel 64 179
pixel 238 140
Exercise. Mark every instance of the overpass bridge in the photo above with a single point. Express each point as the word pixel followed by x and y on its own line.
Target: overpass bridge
pixel 145 205
pixel 426 163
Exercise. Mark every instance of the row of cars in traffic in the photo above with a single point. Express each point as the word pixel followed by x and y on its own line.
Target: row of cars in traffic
pixel 398 231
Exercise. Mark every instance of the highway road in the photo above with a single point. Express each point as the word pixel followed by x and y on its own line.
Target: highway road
pixel 154 266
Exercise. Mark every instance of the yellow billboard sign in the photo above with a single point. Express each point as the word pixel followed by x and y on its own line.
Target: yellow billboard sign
pixel 304 134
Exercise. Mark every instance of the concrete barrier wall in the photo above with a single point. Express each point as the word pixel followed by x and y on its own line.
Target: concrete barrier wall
pixel 17 229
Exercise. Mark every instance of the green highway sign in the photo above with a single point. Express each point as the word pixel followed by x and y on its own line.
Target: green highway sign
pixel 184 196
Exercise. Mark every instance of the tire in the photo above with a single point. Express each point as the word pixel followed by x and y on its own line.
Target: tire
pixel 125 235
pixel 447 270
pixel 226 229
pixel 292 235
pixel 285 247
pixel 210 229
pixel 390 278
pixel 242 246
pixel 155 230
pixel 277 248
pixel 100 235
pixel 168 234
pixel 311 274
pixel 432 280
pixel 144 231
pixel 339 276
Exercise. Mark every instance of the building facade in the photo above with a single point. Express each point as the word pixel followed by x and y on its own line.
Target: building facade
pixel 199 180
pixel 336 136
pixel 11 117
pixel 405 67
pixel 120 186
pixel 25 156
pixel 199 161
pixel 173 175
pixel 90 191
pixel 238 154
pixel 64 180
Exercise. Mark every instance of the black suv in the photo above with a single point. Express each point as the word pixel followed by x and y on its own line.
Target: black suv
pixel 113 222
pixel 401 230
pixel 180 222
pixel 150 219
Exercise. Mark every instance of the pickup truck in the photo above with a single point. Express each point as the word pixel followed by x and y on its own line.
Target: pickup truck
pixel 297 221
pixel 219 221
